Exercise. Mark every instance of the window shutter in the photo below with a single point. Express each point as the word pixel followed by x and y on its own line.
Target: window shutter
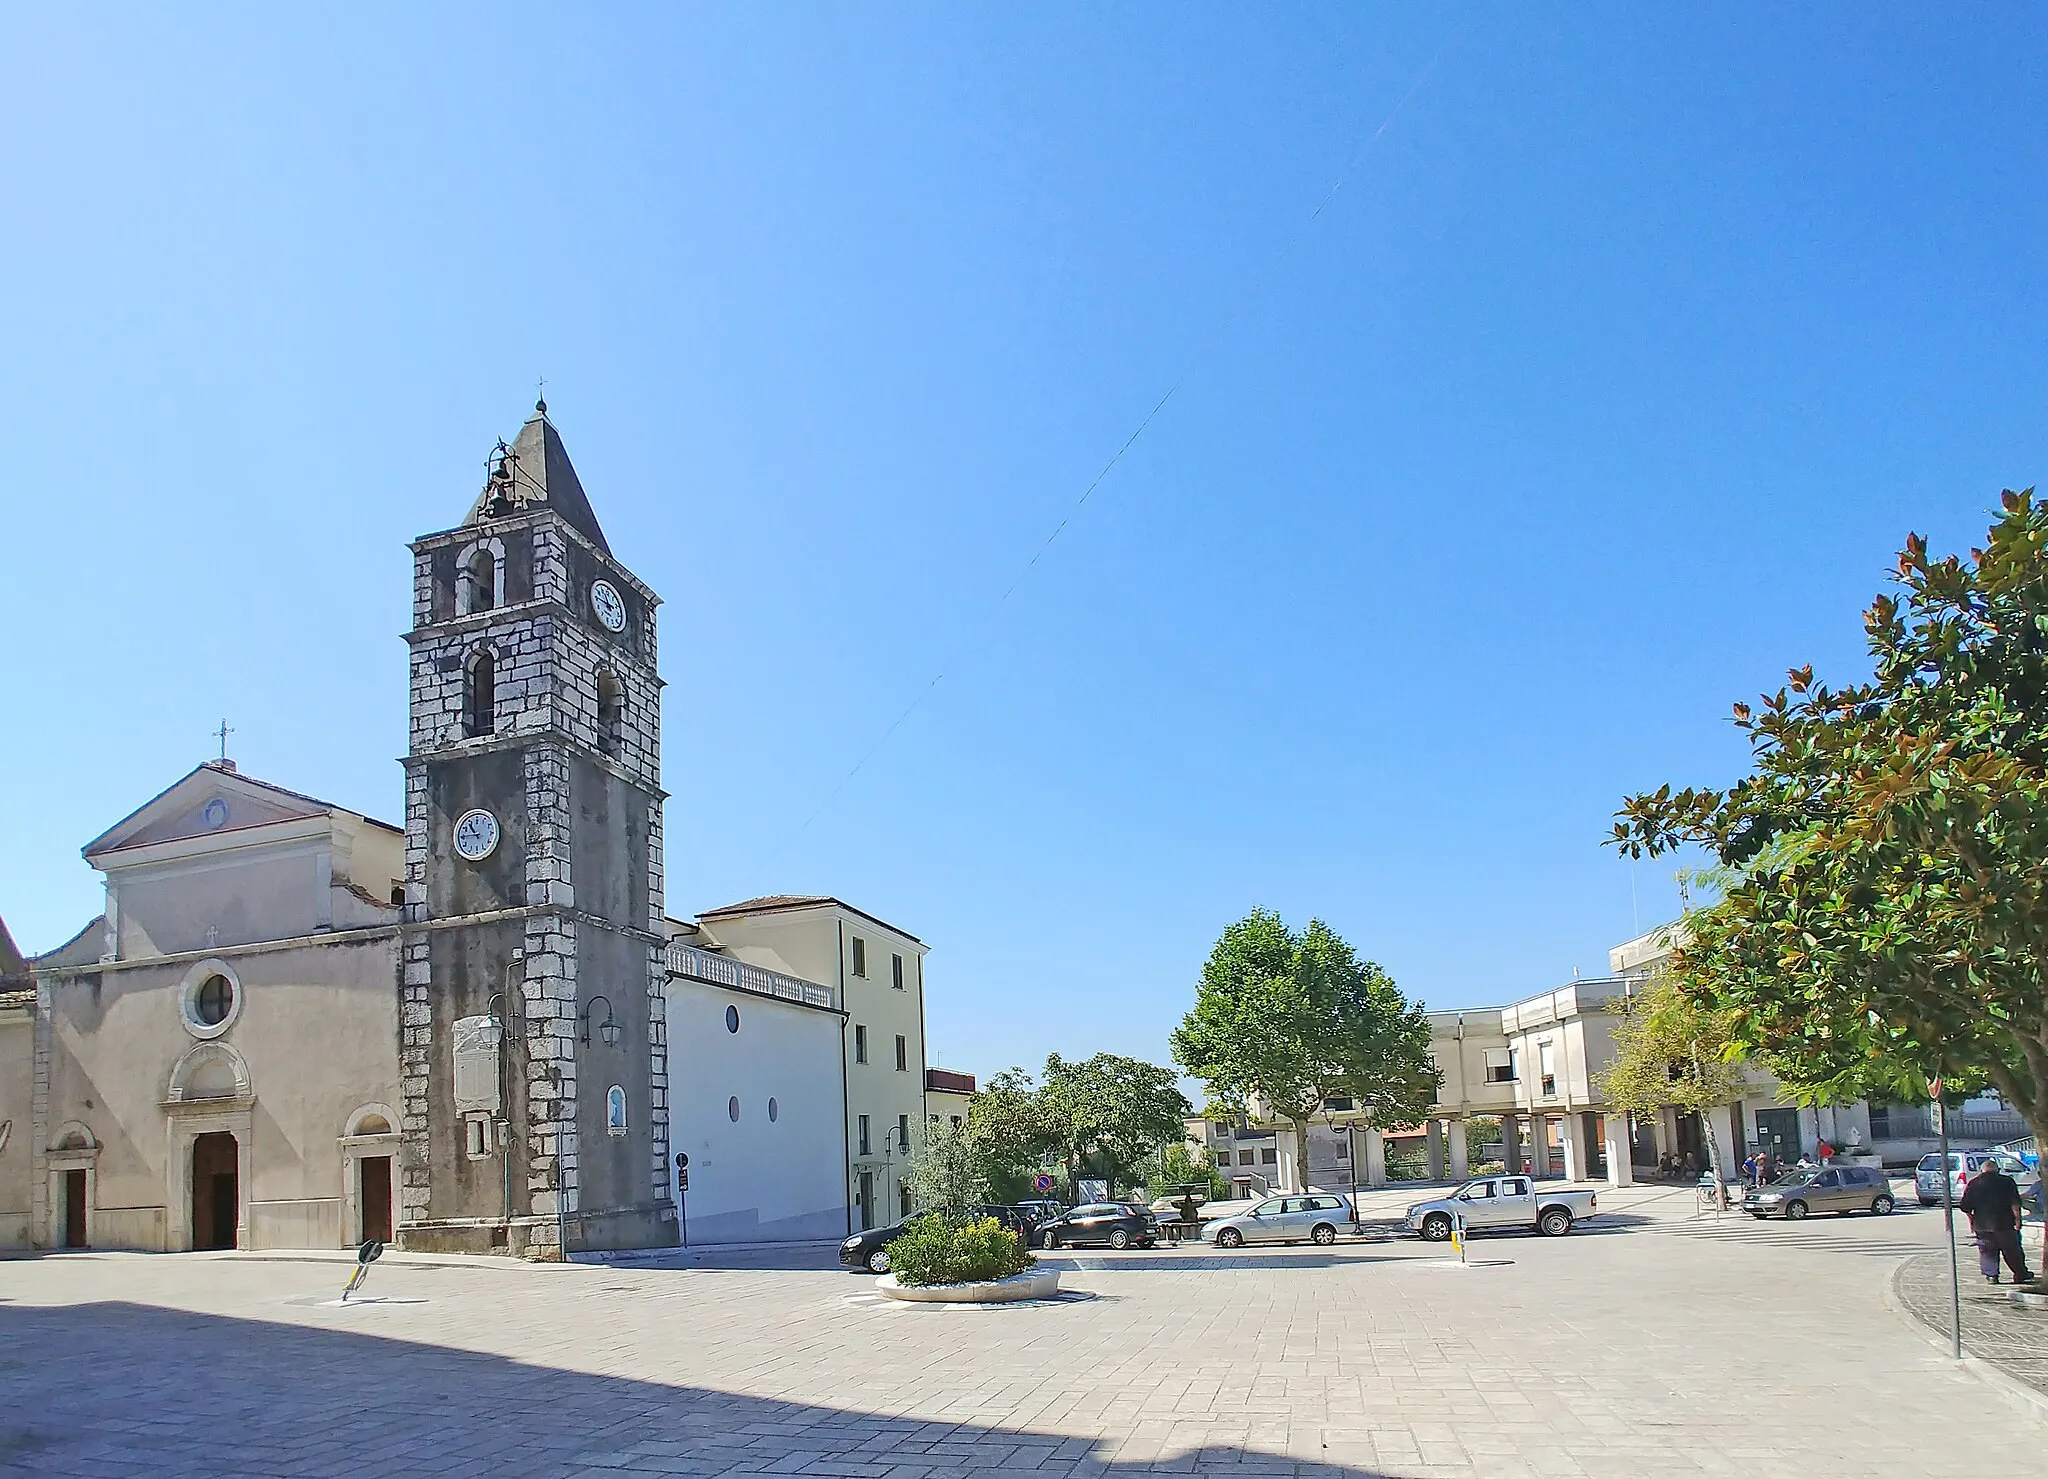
pixel 476 1063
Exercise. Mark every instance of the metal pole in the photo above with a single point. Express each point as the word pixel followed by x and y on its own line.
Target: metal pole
pixel 1948 1218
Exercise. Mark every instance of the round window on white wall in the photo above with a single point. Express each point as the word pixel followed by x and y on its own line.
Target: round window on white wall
pixel 732 1109
pixel 772 1111
pixel 209 999
pixel 732 1019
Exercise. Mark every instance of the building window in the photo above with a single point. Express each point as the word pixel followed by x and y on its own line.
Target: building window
pixel 896 970
pixel 611 714
pixel 482 711
pixel 860 957
pixel 903 1199
pixel 476 582
pixel 1343 1151
pixel 865 1148
pixel 1546 1069
pixel 1270 1156
pixel 956 1121
pixel 215 998
pixel 732 1019
pixel 1222 1132
pixel 860 1043
pixel 902 1053
pixel 476 1130
pixel 732 1109
pixel 903 1132
pixel 774 1109
pixel 1245 1157
pixel 1500 1066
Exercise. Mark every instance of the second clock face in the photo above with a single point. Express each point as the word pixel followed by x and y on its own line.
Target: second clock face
pixel 607 605
pixel 476 835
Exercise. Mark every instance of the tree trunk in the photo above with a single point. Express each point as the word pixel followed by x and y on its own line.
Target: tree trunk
pixel 1301 1154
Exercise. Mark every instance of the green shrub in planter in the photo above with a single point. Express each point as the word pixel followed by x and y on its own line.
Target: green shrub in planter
pixel 938 1249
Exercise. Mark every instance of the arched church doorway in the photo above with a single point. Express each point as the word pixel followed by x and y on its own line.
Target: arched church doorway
pixel 216 1203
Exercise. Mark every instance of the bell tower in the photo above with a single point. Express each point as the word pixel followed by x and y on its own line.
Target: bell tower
pixel 531 1049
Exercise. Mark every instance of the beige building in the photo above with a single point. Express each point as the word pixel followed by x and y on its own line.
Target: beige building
pixel 1534 1066
pixel 878 973
pixel 17 1102
pixel 948 1094
pixel 216 1057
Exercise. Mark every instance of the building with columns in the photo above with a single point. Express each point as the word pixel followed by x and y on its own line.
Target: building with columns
pixel 1533 1066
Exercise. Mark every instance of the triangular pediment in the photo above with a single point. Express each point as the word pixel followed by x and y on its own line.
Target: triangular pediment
pixel 209 801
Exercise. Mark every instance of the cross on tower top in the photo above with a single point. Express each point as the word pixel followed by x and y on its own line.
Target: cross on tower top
pixel 222 734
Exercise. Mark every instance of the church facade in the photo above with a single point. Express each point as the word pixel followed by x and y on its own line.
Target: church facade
pixel 297 1026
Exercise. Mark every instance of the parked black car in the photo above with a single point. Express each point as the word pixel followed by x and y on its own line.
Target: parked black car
pixel 870 1250
pixel 1109 1224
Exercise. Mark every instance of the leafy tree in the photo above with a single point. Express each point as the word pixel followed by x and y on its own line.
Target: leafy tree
pixel 1103 1117
pixel 1480 1132
pixel 1673 1049
pixel 1886 915
pixel 1293 1020
pixel 1109 1113
pixel 1179 1166
pixel 944 1171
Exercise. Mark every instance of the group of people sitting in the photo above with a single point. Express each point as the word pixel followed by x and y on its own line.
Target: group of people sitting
pixel 1675 1168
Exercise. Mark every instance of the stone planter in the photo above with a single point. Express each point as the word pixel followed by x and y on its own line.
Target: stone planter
pixel 1033 1283
pixel 2030 1299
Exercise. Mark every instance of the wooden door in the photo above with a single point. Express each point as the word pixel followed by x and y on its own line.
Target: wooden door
pixel 215 1196
pixel 376 1197
pixel 74 1209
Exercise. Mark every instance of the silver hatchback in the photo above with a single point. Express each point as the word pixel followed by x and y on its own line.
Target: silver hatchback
pixel 1839 1189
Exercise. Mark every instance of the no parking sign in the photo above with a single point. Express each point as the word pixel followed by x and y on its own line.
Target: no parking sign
pixel 1041 1182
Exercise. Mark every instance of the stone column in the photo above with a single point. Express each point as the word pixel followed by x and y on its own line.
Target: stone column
pixel 1511 1144
pixel 1461 1166
pixel 1621 1151
pixel 1436 1150
pixel 1375 1158
pixel 1571 1131
pixel 1665 1131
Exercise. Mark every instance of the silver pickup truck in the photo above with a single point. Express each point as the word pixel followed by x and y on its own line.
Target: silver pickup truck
pixel 1503 1201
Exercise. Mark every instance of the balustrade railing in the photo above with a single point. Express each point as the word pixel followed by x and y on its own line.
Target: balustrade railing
pixel 694 964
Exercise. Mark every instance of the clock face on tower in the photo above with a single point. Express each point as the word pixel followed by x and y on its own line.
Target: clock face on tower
pixel 476 835
pixel 610 609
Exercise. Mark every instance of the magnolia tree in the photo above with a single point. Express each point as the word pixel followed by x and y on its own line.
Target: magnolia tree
pixel 1297 1019
pixel 1885 917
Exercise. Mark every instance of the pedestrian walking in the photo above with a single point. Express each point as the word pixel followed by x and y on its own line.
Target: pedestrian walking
pixel 1992 1203
pixel 1750 1170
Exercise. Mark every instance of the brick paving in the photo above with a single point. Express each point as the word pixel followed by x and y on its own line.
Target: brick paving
pixel 1656 1345
pixel 2012 1338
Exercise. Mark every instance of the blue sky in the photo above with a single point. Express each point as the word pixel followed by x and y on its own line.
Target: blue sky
pixel 1601 393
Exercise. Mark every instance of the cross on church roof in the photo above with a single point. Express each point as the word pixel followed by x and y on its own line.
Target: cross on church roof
pixel 222 734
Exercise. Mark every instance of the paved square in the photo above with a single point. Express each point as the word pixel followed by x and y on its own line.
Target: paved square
pixel 1653 1345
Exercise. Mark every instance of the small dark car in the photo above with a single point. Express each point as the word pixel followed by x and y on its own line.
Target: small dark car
pixel 870 1250
pixel 1106 1224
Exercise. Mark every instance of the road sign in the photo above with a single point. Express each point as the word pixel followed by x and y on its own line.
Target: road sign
pixel 1041 1182
pixel 1937 1116
pixel 683 1179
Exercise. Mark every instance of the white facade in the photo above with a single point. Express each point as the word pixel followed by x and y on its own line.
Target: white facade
pixel 878 971
pixel 757 1102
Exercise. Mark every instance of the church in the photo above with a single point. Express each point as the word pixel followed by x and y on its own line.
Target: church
pixel 296 1025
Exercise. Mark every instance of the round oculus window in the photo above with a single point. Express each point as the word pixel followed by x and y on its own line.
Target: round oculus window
pixel 773 1111
pixel 212 1002
pixel 732 1109
pixel 732 1019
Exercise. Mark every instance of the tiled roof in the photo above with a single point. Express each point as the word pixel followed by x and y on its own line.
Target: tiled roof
pixel 772 903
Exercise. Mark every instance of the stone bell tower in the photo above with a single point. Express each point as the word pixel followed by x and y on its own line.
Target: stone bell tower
pixel 531 1049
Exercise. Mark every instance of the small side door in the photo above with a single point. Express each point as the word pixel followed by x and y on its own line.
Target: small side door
pixel 1514 1203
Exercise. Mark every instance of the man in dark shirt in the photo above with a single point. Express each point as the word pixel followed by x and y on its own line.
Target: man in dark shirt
pixel 1993 1204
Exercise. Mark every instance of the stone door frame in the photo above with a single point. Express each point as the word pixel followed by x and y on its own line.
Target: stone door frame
pixel 355 1149
pixel 185 1121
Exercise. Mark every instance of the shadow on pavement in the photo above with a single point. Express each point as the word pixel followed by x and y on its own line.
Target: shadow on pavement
pixel 120 1388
